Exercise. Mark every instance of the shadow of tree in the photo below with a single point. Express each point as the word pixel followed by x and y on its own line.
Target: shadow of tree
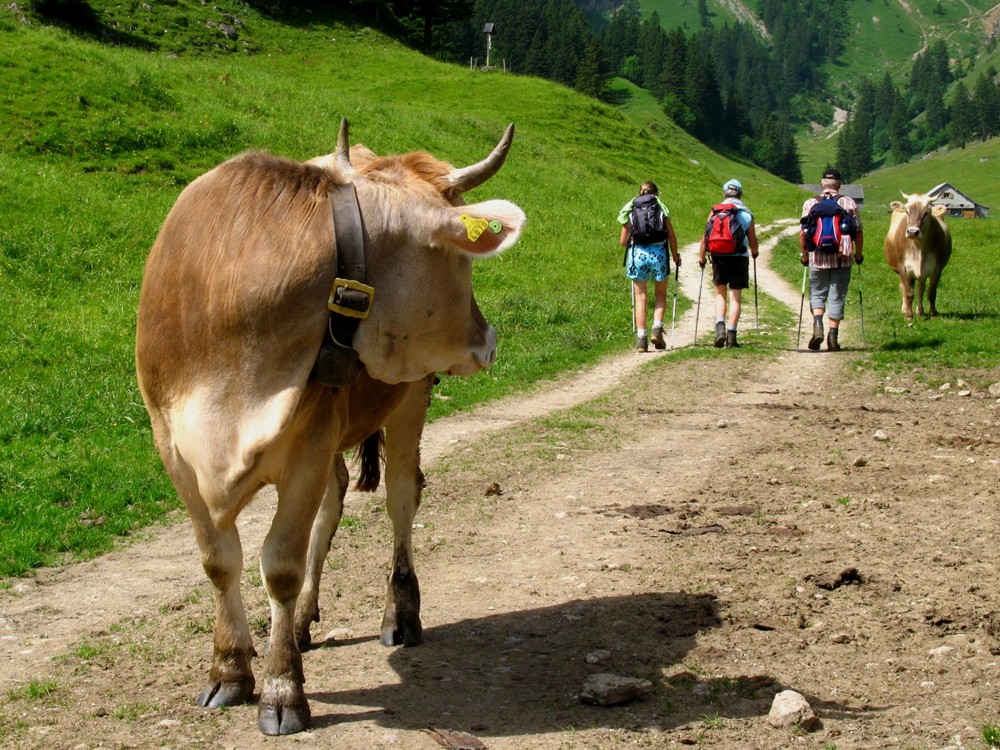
pixel 911 345
pixel 78 17
pixel 618 97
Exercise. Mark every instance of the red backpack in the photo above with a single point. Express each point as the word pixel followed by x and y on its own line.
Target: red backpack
pixel 724 234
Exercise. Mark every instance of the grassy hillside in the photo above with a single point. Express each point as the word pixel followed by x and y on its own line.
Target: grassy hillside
pixel 888 35
pixel 973 170
pixel 98 140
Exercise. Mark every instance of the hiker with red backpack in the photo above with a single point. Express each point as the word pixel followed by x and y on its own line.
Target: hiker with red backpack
pixel 831 241
pixel 730 238
pixel 646 232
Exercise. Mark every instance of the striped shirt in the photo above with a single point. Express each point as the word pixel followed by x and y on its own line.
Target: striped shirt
pixel 845 258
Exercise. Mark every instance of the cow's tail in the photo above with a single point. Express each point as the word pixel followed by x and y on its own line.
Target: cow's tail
pixel 370 454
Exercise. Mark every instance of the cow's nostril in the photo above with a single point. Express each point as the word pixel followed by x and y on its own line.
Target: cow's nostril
pixel 485 358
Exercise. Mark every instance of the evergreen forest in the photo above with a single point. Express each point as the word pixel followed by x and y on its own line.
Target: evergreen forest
pixel 745 89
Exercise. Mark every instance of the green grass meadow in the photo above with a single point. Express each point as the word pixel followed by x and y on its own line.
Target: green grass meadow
pixel 98 140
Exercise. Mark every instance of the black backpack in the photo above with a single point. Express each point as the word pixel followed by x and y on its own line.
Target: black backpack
pixel 826 224
pixel 646 225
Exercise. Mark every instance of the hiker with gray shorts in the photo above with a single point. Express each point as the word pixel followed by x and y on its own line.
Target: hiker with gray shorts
pixel 830 270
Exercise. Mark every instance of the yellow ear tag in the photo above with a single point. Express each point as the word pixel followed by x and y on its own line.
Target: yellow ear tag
pixel 474 227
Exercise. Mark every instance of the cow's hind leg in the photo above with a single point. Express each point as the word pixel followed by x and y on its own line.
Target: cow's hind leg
pixel 213 508
pixel 323 530
pixel 404 482
pixel 230 679
pixel 283 708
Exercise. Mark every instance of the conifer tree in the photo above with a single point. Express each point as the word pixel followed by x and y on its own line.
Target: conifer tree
pixel 701 92
pixel 651 50
pixel 900 148
pixel 986 105
pixel 589 80
pixel 962 127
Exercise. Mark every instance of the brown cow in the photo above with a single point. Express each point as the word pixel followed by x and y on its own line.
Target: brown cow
pixel 917 247
pixel 232 313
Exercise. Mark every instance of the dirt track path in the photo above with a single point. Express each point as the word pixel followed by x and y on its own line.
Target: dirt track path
pixel 61 606
pixel 725 527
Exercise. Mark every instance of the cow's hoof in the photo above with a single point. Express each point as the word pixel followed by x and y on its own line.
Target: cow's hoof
pixel 278 720
pixel 405 635
pixel 219 694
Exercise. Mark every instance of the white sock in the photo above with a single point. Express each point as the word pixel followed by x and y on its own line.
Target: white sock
pixel 657 324
pixel 640 331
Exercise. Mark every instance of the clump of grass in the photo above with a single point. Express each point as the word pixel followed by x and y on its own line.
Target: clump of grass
pixel 991 734
pixel 35 690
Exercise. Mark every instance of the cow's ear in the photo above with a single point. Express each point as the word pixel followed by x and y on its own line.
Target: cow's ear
pixel 939 209
pixel 481 229
pixel 897 206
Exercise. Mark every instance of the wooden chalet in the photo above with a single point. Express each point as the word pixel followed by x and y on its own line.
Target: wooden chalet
pixel 958 204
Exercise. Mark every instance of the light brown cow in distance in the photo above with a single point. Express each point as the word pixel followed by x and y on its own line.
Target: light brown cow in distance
pixel 232 313
pixel 917 247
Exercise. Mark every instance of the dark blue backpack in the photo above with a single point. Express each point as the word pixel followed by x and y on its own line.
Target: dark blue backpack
pixel 826 224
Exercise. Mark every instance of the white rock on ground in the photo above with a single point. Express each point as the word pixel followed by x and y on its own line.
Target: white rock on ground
pixel 791 709
pixel 611 689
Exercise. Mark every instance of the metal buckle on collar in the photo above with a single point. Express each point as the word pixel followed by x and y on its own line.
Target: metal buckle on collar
pixel 351 298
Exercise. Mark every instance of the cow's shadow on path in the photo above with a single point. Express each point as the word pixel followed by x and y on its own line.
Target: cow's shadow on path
pixel 521 672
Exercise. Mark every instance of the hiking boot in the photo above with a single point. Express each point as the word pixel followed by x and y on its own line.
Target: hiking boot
pixel 831 341
pixel 657 338
pixel 720 335
pixel 731 342
pixel 817 337
pixel 641 344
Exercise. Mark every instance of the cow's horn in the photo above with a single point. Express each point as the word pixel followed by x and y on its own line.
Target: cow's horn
pixel 469 177
pixel 342 156
pixel 905 196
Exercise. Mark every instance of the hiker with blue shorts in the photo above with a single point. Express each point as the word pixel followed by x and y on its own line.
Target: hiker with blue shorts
pixel 646 232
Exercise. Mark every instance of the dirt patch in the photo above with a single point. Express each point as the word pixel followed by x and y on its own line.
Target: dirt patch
pixel 724 528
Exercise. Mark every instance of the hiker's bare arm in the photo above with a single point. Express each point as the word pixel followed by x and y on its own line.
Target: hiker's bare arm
pixel 752 238
pixel 672 241
pixel 623 240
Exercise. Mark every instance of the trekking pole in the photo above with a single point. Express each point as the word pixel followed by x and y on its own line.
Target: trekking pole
pixel 801 305
pixel 861 306
pixel 756 310
pixel 697 313
pixel 673 315
pixel 631 287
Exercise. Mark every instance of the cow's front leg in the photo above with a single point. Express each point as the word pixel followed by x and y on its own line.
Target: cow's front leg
pixel 906 292
pixel 323 530
pixel 932 285
pixel 404 482
pixel 920 295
